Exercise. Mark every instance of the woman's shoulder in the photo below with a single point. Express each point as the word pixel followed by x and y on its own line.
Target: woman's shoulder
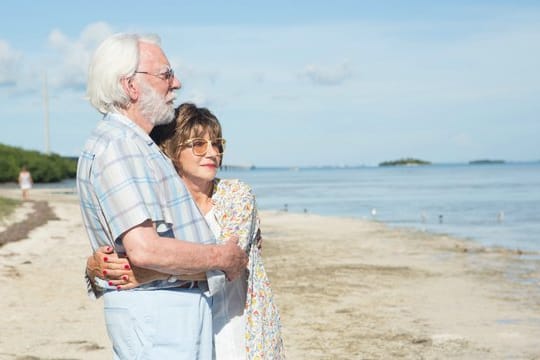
pixel 231 188
pixel 236 185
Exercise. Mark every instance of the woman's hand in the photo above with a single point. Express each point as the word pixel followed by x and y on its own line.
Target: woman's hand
pixel 259 239
pixel 106 265
pixel 117 271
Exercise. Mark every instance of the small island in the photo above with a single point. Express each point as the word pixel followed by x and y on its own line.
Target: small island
pixel 485 162
pixel 405 162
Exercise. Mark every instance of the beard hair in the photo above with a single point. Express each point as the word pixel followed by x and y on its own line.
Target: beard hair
pixel 154 107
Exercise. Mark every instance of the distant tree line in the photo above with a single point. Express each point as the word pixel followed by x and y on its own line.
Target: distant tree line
pixel 486 161
pixel 405 162
pixel 44 168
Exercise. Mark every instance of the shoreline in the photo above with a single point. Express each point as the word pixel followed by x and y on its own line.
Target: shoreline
pixel 462 244
pixel 11 190
pixel 346 288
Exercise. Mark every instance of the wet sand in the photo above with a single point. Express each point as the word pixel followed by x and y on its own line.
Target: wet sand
pixel 346 288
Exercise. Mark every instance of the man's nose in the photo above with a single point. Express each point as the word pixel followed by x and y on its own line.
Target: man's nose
pixel 176 84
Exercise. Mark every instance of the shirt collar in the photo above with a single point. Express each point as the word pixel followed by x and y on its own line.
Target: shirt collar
pixel 129 123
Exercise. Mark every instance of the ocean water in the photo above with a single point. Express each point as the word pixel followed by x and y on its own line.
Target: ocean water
pixel 494 205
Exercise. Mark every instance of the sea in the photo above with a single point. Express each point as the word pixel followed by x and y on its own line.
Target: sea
pixel 491 204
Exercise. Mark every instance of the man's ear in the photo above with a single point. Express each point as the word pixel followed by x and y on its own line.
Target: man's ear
pixel 131 89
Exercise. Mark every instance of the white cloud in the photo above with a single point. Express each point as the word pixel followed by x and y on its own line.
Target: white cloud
pixel 190 73
pixel 199 98
pixel 9 64
pixel 259 77
pixel 95 33
pixel 58 40
pixel 462 140
pixel 72 56
pixel 328 75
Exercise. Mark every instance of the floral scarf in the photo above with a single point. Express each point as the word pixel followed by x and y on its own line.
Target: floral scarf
pixel 236 213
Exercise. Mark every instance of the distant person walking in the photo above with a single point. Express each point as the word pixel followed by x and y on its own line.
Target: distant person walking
pixel 25 182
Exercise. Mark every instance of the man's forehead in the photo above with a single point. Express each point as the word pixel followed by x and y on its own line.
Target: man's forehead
pixel 152 54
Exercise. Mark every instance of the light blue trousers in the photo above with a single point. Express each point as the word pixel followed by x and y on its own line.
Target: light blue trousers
pixel 160 324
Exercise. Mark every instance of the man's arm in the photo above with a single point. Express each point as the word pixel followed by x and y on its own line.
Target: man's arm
pixel 146 249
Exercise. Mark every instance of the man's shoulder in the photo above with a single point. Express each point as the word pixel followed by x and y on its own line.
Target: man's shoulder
pixel 114 131
pixel 110 135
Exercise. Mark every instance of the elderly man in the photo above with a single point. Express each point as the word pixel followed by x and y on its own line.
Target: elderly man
pixel 132 199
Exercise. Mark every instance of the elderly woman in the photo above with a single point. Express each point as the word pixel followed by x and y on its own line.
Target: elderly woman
pixel 245 319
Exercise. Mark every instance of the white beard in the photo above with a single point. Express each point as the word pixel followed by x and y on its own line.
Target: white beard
pixel 154 107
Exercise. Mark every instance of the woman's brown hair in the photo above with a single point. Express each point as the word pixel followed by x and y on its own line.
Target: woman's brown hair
pixel 190 122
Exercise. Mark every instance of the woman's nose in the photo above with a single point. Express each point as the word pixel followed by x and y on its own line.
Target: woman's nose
pixel 212 151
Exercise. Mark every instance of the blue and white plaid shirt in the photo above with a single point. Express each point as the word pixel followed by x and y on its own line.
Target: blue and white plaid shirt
pixel 123 179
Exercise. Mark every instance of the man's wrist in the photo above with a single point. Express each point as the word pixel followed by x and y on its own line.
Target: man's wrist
pixel 215 257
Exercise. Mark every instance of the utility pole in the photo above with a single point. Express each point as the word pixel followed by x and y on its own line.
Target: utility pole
pixel 46 112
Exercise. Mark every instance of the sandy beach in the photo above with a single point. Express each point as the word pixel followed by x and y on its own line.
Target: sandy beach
pixel 346 288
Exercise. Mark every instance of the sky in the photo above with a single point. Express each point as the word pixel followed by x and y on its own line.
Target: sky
pixel 303 83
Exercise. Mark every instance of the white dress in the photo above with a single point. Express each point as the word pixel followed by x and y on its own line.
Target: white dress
pixel 25 181
pixel 229 320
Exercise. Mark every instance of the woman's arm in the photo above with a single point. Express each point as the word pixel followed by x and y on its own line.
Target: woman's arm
pixel 236 212
pixel 105 264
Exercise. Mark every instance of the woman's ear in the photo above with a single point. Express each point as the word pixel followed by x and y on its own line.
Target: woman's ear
pixel 130 87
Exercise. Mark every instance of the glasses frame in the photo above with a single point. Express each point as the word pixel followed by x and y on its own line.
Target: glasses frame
pixel 189 143
pixel 167 75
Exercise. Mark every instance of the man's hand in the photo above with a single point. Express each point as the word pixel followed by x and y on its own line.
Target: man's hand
pixel 233 259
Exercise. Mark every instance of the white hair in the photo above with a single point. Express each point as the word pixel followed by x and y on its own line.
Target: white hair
pixel 116 58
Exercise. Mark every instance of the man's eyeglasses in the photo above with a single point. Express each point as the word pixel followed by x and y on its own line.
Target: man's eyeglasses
pixel 199 146
pixel 167 75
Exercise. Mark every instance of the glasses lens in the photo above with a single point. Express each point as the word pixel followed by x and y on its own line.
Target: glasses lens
pixel 199 146
pixel 169 74
pixel 219 145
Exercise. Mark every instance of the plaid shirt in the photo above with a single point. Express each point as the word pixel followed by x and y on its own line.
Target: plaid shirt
pixel 123 179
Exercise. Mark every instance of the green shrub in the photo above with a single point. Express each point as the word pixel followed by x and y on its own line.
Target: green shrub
pixel 44 168
pixel 9 168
